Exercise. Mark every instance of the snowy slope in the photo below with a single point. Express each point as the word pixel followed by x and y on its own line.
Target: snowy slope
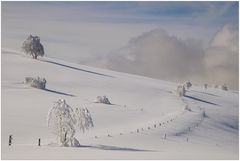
pixel 138 103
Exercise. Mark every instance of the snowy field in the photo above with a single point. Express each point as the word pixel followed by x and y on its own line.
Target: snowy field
pixel 146 120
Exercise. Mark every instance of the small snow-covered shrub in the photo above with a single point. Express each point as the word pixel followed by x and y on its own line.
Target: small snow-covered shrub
pixel 205 86
pixel 188 84
pixel 36 82
pixel 181 90
pixel 28 80
pixel 64 121
pixel 103 99
pixel 224 87
pixel 215 86
pixel 187 108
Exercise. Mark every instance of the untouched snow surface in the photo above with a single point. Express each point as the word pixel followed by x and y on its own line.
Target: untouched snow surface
pixel 134 126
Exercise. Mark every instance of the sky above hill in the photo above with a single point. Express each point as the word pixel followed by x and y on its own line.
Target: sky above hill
pixel 166 40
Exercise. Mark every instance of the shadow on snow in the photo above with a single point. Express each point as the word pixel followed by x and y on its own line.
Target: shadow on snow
pixel 205 93
pixel 197 99
pixel 114 148
pixel 75 68
pixel 57 92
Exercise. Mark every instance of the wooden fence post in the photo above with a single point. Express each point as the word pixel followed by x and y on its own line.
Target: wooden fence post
pixel 10 140
pixel 39 142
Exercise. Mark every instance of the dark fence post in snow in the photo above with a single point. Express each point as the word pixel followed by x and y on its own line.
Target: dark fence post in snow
pixel 39 142
pixel 10 140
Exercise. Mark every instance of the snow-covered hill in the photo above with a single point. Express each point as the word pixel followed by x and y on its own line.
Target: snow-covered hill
pixel 143 111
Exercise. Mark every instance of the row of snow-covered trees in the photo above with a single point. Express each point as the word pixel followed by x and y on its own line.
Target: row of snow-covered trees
pixel 181 89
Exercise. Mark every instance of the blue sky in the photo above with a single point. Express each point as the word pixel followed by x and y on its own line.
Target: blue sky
pixel 212 13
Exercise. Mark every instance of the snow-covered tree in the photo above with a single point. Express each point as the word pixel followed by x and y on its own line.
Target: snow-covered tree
pixel 181 90
pixel 36 82
pixel 103 99
pixel 187 108
pixel 33 47
pixel 188 84
pixel 64 121
pixel 224 87
pixel 205 86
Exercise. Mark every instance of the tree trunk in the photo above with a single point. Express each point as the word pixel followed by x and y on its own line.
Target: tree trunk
pixel 35 56
pixel 39 142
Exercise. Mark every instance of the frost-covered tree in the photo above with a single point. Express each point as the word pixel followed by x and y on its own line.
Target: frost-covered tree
pixel 205 86
pixel 188 84
pixel 181 90
pixel 103 99
pixel 64 121
pixel 36 82
pixel 33 47
pixel 224 87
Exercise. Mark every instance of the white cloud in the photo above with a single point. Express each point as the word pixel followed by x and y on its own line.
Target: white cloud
pixel 159 55
pixel 221 58
pixel 227 37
